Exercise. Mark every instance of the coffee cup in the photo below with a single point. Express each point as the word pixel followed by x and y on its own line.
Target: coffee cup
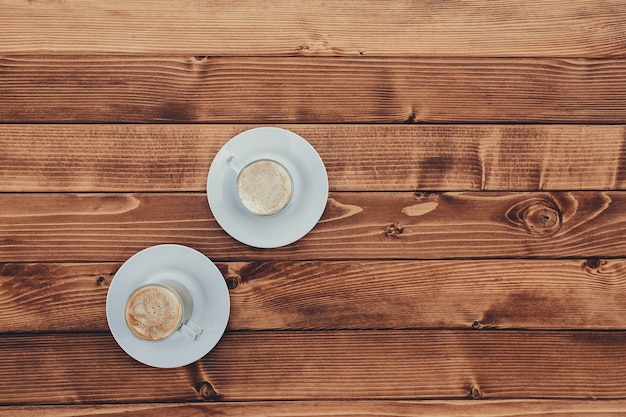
pixel 264 186
pixel 155 311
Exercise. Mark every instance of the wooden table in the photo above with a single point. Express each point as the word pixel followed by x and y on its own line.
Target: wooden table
pixel 472 256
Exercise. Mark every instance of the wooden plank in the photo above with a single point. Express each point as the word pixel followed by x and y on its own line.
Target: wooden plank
pixel 440 294
pixel 337 365
pixel 94 158
pixel 282 27
pixel 114 88
pixel 111 227
pixel 565 294
pixel 430 408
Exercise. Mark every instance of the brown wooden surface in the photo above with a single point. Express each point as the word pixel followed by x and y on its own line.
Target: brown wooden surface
pixel 105 227
pixel 470 260
pixel 325 364
pixel 122 88
pixel 432 408
pixel 156 157
pixel 284 27
pixel 288 295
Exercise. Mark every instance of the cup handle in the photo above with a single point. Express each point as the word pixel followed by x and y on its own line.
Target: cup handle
pixel 235 164
pixel 191 330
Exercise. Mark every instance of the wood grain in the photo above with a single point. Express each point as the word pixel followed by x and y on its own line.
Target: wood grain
pixel 111 227
pixel 430 408
pixel 437 294
pixel 323 365
pixel 490 294
pixel 472 246
pixel 114 88
pixel 282 27
pixel 154 157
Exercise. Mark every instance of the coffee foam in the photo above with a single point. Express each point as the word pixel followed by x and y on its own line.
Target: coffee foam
pixel 153 312
pixel 264 187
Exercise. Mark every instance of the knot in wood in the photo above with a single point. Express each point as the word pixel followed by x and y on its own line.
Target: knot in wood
pixel 538 216
pixel 207 392
pixel 394 230
pixel 594 263
pixel 232 282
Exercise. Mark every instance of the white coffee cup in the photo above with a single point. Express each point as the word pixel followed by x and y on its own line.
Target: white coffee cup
pixel 264 186
pixel 155 311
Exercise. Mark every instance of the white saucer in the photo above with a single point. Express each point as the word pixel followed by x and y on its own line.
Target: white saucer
pixel 310 183
pixel 211 303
